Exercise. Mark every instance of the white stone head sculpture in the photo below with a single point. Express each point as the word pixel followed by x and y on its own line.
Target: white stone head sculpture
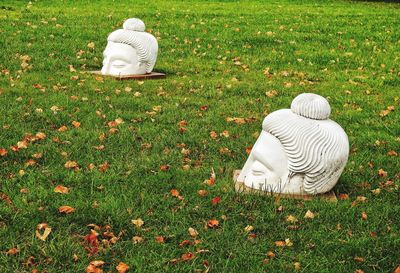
pixel 130 51
pixel 299 151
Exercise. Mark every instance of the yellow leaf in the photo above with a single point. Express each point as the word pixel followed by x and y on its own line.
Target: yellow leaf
pixel 46 232
pixel 291 219
pixel 309 215
pixel 138 222
pixel 193 232
pixel 70 164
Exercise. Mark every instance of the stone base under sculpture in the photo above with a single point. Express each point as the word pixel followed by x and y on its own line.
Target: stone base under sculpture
pixel 148 76
pixel 240 187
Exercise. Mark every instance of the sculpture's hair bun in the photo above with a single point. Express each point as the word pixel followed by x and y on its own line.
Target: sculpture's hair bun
pixel 134 24
pixel 311 106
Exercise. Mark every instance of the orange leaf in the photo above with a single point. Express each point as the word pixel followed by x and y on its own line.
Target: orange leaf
pixel 160 239
pixel 12 251
pixel 343 196
pixel 174 192
pixel 62 128
pixel 122 267
pixel 213 223
pixel 76 124
pixel 397 270
pixel 3 152
pixel 93 267
pixel 164 167
pixel 280 243
pixel 187 256
pixel 61 189
pixel 66 209
pixel 359 259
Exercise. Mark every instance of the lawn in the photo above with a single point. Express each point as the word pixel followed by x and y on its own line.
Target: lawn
pixel 129 150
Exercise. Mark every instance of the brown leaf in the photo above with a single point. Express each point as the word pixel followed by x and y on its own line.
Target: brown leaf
pixel 61 189
pixel 46 232
pixel 382 173
pixel 66 209
pixel 364 215
pixel 359 259
pixel 164 167
pixel 122 267
pixel 202 192
pixel 280 243
pixel 103 167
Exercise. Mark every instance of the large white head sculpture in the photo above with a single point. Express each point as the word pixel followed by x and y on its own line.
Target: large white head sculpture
pixel 299 151
pixel 130 51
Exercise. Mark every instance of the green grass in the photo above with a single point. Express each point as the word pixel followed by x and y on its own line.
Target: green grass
pixel 346 51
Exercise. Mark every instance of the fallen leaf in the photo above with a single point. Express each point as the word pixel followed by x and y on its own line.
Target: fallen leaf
pixel 187 256
pixel 61 189
pixel 193 232
pixel 202 192
pixel 397 270
pixel 137 239
pixel 309 215
pixel 359 259
pixel 138 222
pixel 291 219
pixel 343 196
pixel 382 173
pixel 392 153
pixel 280 243
pixel 70 164
pixel 46 232
pixel 270 254
pixel 3 152
pixel 76 124
pixel 213 223
pixel 122 267
pixel 216 200
pixel 248 228
pixel 12 251
pixel 160 239
pixel 364 215
pixel 288 242
pixel 66 209
pixel 174 192
pixel 93 267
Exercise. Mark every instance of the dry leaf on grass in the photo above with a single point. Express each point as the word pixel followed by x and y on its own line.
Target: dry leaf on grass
pixel 66 209
pixel 46 232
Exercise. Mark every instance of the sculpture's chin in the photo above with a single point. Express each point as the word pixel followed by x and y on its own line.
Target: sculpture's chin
pixel 275 184
pixel 126 71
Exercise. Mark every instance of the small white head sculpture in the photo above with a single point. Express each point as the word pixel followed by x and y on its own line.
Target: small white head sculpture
pixel 299 151
pixel 130 51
